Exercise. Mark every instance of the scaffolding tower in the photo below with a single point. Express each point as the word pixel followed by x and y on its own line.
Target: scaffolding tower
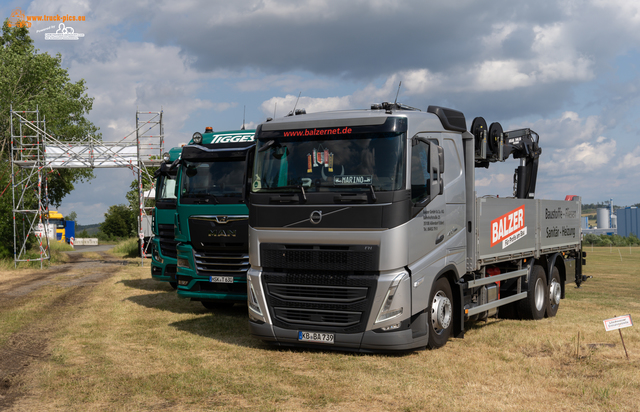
pixel 35 154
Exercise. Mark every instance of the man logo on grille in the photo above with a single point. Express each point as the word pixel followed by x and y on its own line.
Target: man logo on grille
pixel 221 219
pixel 316 217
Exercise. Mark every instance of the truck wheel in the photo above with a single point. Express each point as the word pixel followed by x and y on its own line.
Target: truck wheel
pixel 555 292
pixel 174 285
pixel 534 305
pixel 440 319
pixel 211 305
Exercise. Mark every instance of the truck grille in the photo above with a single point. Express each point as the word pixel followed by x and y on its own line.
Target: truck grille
pixel 319 257
pixel 219 264
pixel 322 301
pixel 167 241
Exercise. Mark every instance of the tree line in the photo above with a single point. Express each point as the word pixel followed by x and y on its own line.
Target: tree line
pixel 31 80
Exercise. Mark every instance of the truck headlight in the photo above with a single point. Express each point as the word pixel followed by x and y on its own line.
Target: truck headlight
pixel 253 301
pixel 183 263
pixel 389 310
pixel 156 256
pixel 197 138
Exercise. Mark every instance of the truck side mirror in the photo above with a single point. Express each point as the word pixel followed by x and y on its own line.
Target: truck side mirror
pixel 436 165
pixel 248 173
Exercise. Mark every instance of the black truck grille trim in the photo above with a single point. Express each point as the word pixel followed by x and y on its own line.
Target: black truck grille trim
pixel 167 241
pixel 321 300
pixel 319 257
pixel 212 263
pixel 318 293
pixel 316 317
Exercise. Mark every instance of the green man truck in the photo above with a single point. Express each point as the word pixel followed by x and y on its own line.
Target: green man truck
pixel 163 257
pixel 212 218
pixel 366 233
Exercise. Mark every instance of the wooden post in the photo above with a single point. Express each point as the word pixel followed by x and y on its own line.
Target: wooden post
pixel 623 345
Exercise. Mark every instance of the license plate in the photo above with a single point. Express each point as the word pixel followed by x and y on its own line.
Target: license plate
pixel 318 337
pixel 221 279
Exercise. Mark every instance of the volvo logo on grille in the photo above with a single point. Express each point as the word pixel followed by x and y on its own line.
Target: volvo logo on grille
pixel 316 217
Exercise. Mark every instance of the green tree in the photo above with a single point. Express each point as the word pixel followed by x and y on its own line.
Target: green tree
pixel 72 216
pixel 29 80
pixel 119 221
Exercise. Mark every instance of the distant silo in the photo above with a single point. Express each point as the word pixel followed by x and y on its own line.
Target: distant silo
pixel 603 218
pixel 614 221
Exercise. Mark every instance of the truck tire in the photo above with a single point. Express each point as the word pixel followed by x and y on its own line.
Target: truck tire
pixel 555 292
pixel 535 304
pixel 440 314
pixel 212 305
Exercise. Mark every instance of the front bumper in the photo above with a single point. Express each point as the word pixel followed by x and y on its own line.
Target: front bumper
pixel 368 341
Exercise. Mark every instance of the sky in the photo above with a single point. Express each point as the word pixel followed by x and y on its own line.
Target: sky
pixel 566 69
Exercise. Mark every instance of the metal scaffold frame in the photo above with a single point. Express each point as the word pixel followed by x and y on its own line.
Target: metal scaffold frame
pixel 35 154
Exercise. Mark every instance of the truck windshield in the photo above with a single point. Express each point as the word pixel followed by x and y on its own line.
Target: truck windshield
pixel 327 163
pixel 211 182
pixel 58 222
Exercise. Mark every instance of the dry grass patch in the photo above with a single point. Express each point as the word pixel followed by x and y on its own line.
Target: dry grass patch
pixel 133 345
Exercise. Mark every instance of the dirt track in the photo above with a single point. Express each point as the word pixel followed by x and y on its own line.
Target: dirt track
pixel 71 283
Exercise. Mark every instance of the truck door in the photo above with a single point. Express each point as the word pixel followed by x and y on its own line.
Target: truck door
pixel 426 230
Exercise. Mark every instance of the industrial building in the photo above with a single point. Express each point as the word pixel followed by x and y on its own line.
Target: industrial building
pixel 628 221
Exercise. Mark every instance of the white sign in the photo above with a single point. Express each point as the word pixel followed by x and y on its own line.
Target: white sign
pixel 618 323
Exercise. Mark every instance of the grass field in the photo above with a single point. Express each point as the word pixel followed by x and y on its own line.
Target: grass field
pixel 128 343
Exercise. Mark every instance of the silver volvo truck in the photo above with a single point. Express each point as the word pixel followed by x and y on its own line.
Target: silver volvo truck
pixel 366 233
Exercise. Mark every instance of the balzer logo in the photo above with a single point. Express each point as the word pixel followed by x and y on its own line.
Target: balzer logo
pixel 508 228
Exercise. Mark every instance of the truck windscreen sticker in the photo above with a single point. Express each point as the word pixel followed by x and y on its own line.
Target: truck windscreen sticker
pixel 508 228
pixel 318 132
pixel 233 138
pixel 352 180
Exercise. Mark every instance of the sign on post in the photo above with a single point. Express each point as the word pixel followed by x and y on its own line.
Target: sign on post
pixel 618 322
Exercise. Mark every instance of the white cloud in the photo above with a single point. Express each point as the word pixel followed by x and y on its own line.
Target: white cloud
pixel 566 131
pixel 587 157
pixel 495 181
pixel 630 162
pixel 284 105
pixel 146 77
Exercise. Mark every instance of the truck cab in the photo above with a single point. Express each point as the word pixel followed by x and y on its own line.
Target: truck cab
pixel 362 230
pixel 163 256
pixel 212 218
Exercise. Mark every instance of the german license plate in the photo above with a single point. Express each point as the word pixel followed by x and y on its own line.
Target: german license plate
pixel 318 337
pixel 221 279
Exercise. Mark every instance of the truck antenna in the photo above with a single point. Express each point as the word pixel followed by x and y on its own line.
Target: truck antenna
pixel 296 105
pixel 396 101
pixel 243 116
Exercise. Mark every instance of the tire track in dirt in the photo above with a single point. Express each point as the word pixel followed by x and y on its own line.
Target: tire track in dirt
pixel 31 341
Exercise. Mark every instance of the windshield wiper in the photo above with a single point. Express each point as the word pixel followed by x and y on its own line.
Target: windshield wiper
pixel 369 185
pixel 300 187
pixel 202 196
